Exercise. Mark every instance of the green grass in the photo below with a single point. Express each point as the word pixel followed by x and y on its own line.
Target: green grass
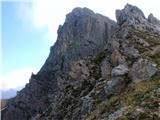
pixel 156 59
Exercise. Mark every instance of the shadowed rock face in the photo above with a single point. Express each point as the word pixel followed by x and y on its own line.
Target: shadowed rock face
pixel 93 60
pixel 83 34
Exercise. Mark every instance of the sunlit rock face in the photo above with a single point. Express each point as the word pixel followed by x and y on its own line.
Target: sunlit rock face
pixel 98 69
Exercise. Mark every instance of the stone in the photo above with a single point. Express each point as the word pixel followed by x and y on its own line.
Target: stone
pixel 115 115
pixel 86 105
pixel 142 70
pixel 117 58
pixel 105 69
pixel 114 44
pixel 155 50
pixel 153 20
pixel 114 85
pixel 131 52
pixel 143 42
pixel 120 70
pixel 151 69
pixel 78 68
pixel 130 15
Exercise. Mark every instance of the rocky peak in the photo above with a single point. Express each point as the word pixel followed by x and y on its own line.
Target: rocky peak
pixel 153 20
pixel 97 70
pixel 130 14
pixel 78 12
pixel 83 34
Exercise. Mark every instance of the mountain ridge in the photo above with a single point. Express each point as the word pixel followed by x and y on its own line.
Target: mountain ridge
pixel 94 63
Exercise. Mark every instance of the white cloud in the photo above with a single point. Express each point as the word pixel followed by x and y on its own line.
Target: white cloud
pixel 50 13
pixel 24 11
pixel 15 79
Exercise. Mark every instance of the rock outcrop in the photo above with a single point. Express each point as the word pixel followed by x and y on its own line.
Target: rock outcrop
pixel 153 20
pixel 130 15
pixel 98 69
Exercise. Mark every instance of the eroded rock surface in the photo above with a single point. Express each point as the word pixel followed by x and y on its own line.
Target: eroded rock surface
pixel 153 20
pixel 98 69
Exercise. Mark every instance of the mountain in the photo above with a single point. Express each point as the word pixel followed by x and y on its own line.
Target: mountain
pixel 8 93
pixel 98 69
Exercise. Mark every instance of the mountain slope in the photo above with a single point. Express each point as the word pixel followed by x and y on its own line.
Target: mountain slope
pixel 97 70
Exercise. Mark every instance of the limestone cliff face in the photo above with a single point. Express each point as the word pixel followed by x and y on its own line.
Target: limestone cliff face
pixel 98 69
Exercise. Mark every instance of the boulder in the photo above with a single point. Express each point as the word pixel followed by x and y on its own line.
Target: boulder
pixel 86 105
pixel 115 115
pixel 117 58
pixel 105 69
pixel 142 70
pixel 131 52
pixel 114 85
pixel 120 70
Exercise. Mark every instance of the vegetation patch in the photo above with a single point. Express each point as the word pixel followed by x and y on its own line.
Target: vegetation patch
pixel 137 92
pixel 156 59
pixel 142 95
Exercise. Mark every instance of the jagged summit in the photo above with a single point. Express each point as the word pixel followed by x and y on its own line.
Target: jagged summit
pixel 97 70
pixel 130 14
pixel 133 15
pixel 83 34
pixel 79 12
pixel 153 20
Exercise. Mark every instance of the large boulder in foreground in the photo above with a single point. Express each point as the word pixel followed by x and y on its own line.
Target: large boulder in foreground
pixel 142 70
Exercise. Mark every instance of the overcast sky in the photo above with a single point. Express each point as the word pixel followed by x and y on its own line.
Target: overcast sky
pixel 29 28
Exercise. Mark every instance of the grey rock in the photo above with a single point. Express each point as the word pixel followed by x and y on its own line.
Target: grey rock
pixel 86 105
pixel 83 34
pixel 114 44
pixel 115 115
pixel 78 68
pixel 76 77
pixel 114 85
pixel 120 70
pixel 109 87
pixel 143 42
pixel 155 50
pixel 105 69
pixel 131 52
pixel 117 58
pixel 130 14
pixel 142 70
pixel 153 20
pixel 151 69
